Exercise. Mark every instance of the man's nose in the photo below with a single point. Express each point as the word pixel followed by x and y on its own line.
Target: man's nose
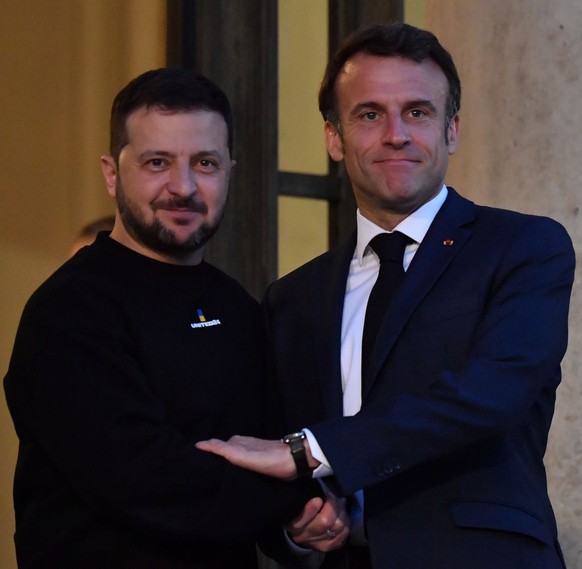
pixel 182 180
pixel 396 131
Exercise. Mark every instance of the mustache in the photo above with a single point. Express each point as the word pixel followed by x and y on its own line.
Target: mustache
pixel 187 204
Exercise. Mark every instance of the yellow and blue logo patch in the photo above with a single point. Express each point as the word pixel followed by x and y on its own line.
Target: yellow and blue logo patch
pixel 202 322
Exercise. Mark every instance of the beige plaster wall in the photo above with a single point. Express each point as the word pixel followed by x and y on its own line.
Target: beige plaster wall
pixel 521 148
pixel 62 62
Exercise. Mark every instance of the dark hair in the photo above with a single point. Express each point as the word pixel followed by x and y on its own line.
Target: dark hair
pixel 389 40
pixel 172 89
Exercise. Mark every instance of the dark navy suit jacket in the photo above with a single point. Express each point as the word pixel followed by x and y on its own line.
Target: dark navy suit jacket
pixel 449 443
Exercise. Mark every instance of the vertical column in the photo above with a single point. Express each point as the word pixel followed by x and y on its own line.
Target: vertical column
pixel 235 45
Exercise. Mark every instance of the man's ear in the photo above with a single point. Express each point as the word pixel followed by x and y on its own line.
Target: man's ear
pixel 109 169
pixel 453 134
pixel 333 142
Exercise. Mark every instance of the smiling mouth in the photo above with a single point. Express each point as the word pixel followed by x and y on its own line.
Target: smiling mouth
pixel 397 162
pixel 397 159
pixel 189 207
pixel 182 213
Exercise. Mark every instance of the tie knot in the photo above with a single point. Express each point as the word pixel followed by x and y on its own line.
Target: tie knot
pixel 390 246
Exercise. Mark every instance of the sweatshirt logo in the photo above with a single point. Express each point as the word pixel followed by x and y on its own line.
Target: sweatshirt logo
pixel 202 322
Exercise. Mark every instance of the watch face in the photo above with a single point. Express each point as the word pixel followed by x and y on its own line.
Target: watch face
pixel 299 436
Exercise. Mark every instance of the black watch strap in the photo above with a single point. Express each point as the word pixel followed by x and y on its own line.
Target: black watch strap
pixel 296 442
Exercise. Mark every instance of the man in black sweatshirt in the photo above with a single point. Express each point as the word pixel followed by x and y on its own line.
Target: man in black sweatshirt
pixel 134 350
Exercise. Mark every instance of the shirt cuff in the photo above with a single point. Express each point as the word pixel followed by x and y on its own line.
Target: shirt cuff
pixel 324 469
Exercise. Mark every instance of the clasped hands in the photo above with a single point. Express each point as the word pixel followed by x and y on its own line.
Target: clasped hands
pixel 323 525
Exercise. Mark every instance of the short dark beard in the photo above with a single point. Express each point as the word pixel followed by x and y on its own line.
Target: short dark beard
pixel 155 236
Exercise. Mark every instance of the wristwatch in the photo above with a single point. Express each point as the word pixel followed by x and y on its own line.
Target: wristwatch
pixel 296 442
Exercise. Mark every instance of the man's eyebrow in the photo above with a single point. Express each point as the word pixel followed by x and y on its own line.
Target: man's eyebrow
pixel 165 154
pixel 367 105
pixel 155 153
pixel 426 103
pixel 204 153
pixel 375 106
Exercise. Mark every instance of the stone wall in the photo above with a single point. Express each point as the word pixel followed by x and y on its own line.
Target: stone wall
pixel 521 148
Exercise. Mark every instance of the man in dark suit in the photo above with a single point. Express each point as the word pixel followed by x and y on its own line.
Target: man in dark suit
pixel 444 425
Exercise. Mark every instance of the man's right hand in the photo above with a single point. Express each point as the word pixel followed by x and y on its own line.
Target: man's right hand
pixel 322 526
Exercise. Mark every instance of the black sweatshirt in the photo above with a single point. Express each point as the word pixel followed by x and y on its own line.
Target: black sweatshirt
pixel 121 363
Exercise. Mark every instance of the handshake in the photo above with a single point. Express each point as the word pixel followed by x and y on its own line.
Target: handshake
pixel 323 525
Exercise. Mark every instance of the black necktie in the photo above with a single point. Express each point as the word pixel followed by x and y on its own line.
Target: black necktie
pixel 390 249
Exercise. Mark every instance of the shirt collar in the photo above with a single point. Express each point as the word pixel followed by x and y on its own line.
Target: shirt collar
pixel 414 226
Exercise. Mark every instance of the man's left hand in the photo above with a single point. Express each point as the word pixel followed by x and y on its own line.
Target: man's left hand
pixel 271 458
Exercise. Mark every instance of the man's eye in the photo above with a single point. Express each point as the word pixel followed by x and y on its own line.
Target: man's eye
pixel 156 162
pixel 370 115
pixel 416 113
pixel 207 164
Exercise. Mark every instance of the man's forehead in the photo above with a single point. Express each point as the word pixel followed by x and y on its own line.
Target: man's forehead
pixel 384 74
pixel 155 130
pixel 365 61
pixel 151 121
pixel 158 110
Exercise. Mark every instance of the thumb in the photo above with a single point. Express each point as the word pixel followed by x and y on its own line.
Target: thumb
pixel 310 510
pixel 212 445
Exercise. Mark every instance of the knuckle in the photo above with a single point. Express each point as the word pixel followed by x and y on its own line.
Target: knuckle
pixel 325 521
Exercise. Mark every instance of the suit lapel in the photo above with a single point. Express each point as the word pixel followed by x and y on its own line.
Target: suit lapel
pixel 328 287
pixel 441 244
